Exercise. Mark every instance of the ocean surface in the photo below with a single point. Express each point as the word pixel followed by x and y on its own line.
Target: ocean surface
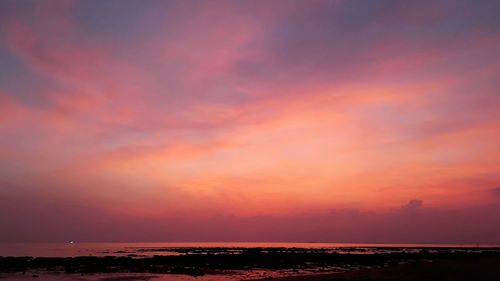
pixel 73 249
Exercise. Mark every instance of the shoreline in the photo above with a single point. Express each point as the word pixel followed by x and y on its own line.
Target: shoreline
pixel 462 269
pixel 487 268
pixel 279 264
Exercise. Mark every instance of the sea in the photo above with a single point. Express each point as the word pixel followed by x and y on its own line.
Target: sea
pixel 144 249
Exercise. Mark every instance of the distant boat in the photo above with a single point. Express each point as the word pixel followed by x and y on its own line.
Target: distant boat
pixel 72 242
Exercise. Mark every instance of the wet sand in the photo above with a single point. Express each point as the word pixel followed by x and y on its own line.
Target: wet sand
pixel 483 269
pixel 109 277
pixel 281 264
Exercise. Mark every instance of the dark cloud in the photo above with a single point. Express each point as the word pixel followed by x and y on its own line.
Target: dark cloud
pixel 496 191
pixel 413 205
pixel 42 219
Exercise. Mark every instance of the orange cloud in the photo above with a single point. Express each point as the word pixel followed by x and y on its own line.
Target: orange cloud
pixel 253 110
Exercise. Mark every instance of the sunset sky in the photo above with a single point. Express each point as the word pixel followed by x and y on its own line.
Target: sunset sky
pixel 333 121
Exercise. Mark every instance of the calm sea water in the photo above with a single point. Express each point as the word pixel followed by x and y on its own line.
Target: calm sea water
pixel 149 249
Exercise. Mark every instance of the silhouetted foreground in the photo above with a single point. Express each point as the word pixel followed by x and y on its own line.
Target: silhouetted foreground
pixel 462 269
pixel 201 261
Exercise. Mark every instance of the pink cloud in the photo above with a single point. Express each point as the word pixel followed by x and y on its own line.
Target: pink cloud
pixel 257 110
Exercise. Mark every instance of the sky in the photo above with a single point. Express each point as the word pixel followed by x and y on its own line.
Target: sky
pixel 328 121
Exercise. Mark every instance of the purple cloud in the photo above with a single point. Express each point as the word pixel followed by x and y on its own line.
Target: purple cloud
pixel 413 205
pixel 496 191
